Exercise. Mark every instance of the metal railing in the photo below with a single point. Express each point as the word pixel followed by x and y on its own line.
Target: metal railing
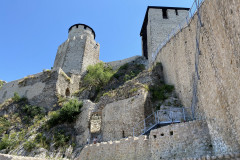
pixel 166 116
pixel 192 11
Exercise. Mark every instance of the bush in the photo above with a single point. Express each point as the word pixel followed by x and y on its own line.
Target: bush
pixel 68 113
pixel 16 97
pixel 60 139
pixel 42 141
pixel 29 146
pixel 9 141
pixel 98 75
pixel 4 125
pixel 30 112
pixel 160 92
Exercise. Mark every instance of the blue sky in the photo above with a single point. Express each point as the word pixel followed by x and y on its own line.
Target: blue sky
pixel 32 30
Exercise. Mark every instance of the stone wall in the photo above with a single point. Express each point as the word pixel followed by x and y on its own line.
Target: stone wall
pixel 77 52
pixel 41 89
pixel 125 149
pixel 120 117
pixel 158 28
pixel 219 85
pixel 188 140
pixel 138 59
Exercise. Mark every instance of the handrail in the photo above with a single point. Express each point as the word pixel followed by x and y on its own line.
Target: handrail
pixel 157 117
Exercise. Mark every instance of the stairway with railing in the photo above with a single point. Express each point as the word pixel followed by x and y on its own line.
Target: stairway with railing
pixel 159 118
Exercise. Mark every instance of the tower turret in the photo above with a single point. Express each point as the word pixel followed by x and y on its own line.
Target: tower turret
pixel 78 51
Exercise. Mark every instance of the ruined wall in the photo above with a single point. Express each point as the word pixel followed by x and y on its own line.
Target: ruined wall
pixel 188 140
pixel 138 59
pixel 219 85
pixel 125 149
pixel 119 118
pixel 159 28
pixel 41 89
pixel 82 125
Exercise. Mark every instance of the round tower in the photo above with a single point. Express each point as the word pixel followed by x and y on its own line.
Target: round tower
pixel 78 51
pixel 80 29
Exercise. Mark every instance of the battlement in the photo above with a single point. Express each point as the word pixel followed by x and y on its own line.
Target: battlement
pixel 80 29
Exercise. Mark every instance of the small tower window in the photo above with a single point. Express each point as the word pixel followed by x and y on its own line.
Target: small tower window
pixel 85 27
pixel 176 12
pixel 164 13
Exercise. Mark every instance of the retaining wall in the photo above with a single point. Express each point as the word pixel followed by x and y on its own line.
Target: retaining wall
pixel 219 70
pixel 188 139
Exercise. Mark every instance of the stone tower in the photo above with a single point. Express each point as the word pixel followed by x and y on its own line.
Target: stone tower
pixel 157 24
pixel 78 51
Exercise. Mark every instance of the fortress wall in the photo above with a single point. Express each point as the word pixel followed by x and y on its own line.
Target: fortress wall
pixel 189 139
pixel 116 64
pixel 121 116
pixel 91 54
pixel 159 28
pixel 219 63
pixel 125 149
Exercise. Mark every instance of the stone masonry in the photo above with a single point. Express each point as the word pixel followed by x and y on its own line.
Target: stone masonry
pixel 158 23
pixel 43 88
pixel 218 86
pixel 171 142
pixel 78 51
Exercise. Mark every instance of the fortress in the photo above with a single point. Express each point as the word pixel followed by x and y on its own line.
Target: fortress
pixel 201 60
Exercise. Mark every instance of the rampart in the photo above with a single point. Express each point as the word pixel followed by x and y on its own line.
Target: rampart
pixel 179 141
pixel 219 62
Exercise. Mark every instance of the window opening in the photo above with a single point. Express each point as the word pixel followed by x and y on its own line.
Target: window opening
pixel 164 12
pixel 176 12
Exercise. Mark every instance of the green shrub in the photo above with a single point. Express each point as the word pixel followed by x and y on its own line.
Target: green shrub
pixel 70 110
pixel 160 92
pixel 4 125
pixel 29 146
pixel 42 140
pixel 16 97
pixel 5 142
pixel 2 83
pixel 60 139
pixel 68 113
pixel 29 112
pixel 98 75
pixel 9 141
